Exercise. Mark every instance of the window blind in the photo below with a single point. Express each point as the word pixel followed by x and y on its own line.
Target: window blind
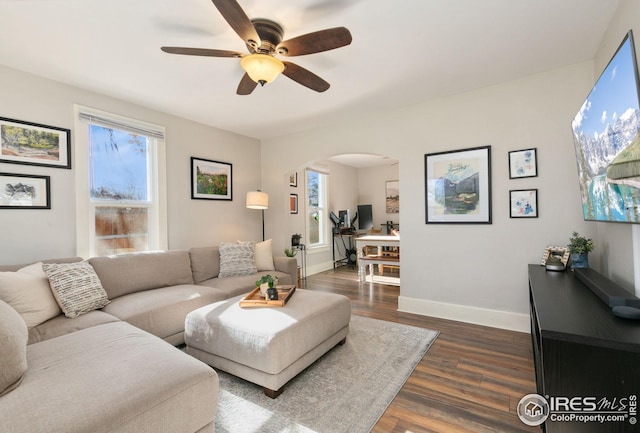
pixel 114 122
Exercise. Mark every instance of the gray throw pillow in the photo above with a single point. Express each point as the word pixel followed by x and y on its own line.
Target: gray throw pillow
pixel 13 348
pixel 76 287
pixel 237 259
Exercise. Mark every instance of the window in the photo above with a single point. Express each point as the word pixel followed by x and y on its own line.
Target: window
pixel 317 217
pixel 121 185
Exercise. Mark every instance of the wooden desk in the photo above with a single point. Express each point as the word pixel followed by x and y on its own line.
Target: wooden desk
pixel 374 240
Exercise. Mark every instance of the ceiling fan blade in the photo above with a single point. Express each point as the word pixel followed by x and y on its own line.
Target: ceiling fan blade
pixel 315 42
pixel 239 21
pixel 305 77
pixel 246 85
pixel 200 52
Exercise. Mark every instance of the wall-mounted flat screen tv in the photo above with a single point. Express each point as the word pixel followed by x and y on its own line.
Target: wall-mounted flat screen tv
pixel 607 144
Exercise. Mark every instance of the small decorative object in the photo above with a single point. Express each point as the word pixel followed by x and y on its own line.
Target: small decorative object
pixel 580 247
pixel 295 239
pixel 293 203
pixel 293 179
pixel 272 294
pixel 523 163
pixel 266 282
pixel 524 203
pixel 555 258
pixel 290 252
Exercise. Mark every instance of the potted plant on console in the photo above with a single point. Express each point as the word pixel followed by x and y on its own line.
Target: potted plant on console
pixel 580 247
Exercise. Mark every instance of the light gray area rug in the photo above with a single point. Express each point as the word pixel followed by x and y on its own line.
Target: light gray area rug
pixel 345 391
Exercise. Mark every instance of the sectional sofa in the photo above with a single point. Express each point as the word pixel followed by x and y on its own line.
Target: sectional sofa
pixel 114 367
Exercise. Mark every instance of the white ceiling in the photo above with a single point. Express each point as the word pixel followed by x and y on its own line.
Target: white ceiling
pixel 403 52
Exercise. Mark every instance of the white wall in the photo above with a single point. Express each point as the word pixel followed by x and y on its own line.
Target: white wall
pixel 447 268
pixel 614 240
pixel 27 235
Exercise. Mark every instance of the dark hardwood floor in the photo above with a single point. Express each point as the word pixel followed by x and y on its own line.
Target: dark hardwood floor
pixel 470 380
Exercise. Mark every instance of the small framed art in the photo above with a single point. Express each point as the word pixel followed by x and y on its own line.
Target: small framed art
pixel 23 191
pixel 523 163
pixel 552 253
pixel 293 179
pixel 523 203
pixel 34 144
pixel 210 180
pixel 293 203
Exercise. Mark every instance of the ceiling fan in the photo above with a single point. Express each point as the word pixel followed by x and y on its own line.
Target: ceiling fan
pixel 263 38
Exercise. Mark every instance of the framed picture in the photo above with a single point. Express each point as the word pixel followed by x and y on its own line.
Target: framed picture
pixel 210 180
pixel 293 179
pixel 392 196
pixel 34 144
pixel 458 186
pixel 293 203
pixel 560 253
pixel 23 191
pixel 523 203
pixel 523 163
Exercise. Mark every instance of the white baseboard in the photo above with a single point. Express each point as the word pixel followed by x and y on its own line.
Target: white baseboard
pixel 465 313
pixel 320 267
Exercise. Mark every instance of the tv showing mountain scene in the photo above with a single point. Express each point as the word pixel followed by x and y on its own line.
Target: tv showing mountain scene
pixel 607 144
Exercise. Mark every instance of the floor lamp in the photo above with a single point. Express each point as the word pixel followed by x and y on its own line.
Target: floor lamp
pixel 258 200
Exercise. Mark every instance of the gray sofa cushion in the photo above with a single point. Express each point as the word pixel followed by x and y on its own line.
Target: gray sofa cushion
pixel 110 378
pixel 61 325
pixel 162 311
pixel 233 286
pixel 13 348
pixel 205 263
pixel 129 273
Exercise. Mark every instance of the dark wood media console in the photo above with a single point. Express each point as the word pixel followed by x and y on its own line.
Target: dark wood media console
pixel 580 348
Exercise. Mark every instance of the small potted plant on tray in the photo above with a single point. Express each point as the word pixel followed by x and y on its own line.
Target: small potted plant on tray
pixel 580 247
pixel 266 282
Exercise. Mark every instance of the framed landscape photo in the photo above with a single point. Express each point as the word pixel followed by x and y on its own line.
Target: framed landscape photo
pixel 34 144
pixel 523 203
pixel 523 163
pixel 23 191
pixel 293 203
pixel 458 186
pixel 210 180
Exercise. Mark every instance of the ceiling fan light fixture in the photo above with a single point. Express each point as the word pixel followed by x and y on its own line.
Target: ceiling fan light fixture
pixel 262 68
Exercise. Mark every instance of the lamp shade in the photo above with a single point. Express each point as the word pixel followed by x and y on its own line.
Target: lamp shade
pixel 262 68
pixel 257 200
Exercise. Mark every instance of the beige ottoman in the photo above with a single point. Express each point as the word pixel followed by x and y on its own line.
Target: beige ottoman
pixel 268 345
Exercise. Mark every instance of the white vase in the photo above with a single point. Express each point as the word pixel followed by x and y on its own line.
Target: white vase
pixel 263 289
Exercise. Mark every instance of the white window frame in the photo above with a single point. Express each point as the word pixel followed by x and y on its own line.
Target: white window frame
pixel 323 191
pixel 85 206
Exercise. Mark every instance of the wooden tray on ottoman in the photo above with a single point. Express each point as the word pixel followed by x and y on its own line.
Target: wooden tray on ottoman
pixel 254 299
